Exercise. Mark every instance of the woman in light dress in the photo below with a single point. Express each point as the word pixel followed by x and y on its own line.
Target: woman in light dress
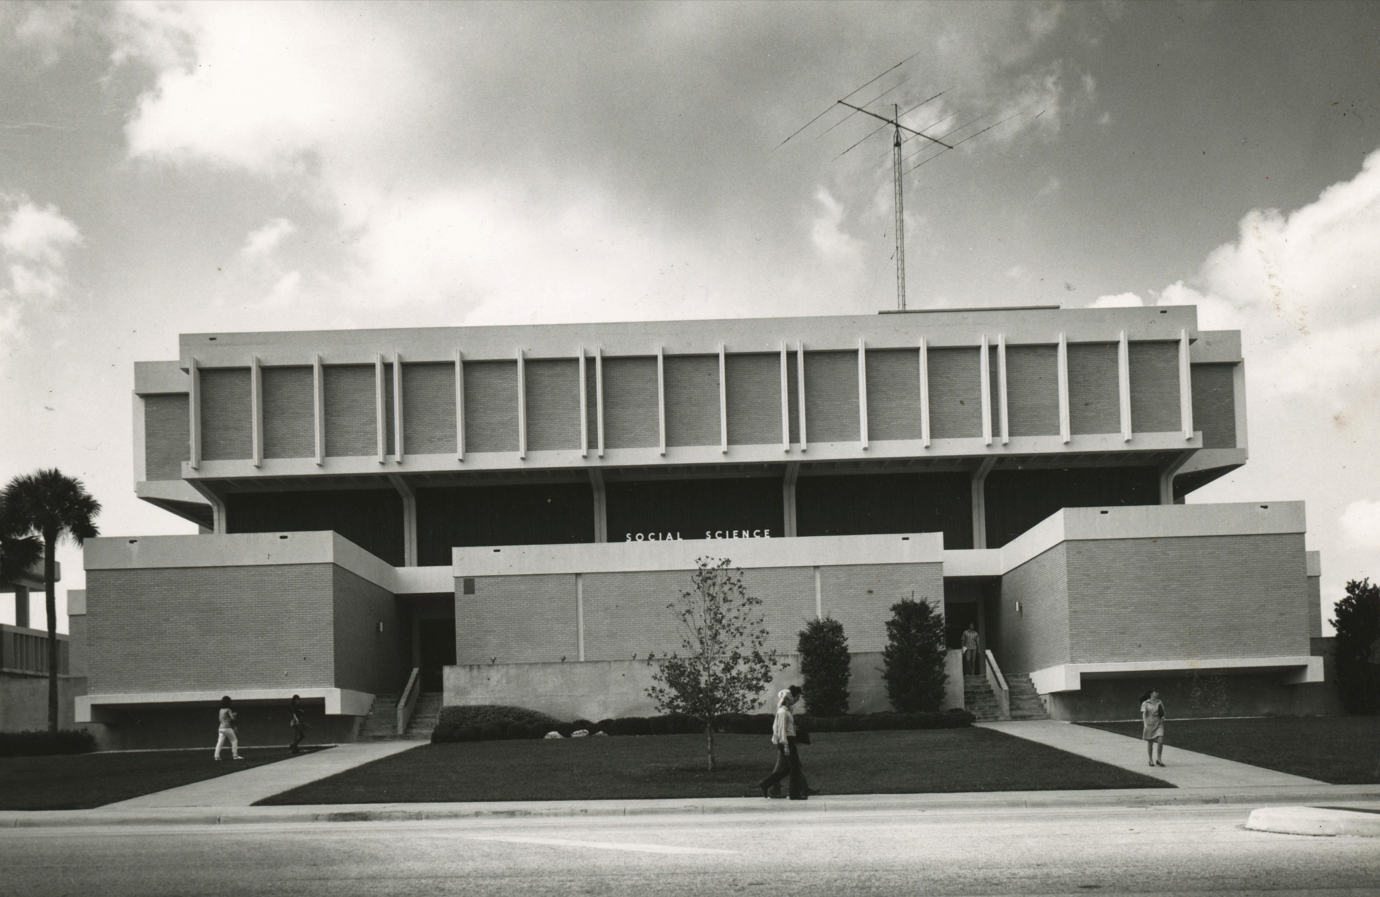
pixel 1152 721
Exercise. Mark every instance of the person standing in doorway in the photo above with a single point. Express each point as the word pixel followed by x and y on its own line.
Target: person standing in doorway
pixel 1152 723
pixel 971 645
pixel 787 751
pixel 297 719
pixel 227 730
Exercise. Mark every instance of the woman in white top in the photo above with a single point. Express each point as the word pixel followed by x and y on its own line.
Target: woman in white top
pixel 1152 723
pixel 227 730
pixel 787 752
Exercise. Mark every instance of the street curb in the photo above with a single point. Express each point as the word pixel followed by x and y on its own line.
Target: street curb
pixel 1139 798
pixel 1319 821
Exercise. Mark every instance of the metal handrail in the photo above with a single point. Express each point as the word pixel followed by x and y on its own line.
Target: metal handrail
pixel 998 684
pixel 407 701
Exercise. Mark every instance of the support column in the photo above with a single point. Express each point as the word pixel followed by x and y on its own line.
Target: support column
pixel 21 606
pixel 601 516
pixel 409 502
pixel 788 497
pixel 1167 477
pixel 218 524
pixel 979 494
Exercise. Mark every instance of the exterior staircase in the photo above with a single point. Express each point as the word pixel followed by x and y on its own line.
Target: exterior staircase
pixel 979 700
pixel 382 722
pixel 1025 701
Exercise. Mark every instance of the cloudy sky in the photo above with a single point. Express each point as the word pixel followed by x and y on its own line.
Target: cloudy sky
pixel 169 168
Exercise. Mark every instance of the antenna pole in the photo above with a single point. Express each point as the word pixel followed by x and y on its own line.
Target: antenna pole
pixel 900 213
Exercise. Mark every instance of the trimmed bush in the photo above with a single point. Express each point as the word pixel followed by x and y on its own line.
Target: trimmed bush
pixel 488 719
pixel 913 660
pixel 46 744
pixel 824 666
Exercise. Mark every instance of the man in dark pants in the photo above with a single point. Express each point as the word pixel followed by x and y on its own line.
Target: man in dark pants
pixel 783 735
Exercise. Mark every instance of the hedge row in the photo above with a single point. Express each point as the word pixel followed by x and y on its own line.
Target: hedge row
pixel 44 743
pixel 460 724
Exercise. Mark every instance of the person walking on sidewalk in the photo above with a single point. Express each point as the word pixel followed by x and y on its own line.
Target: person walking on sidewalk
pixel 971 644
pixel 1152 723
pixel 227 730
pixel 298 721
pixel 787 751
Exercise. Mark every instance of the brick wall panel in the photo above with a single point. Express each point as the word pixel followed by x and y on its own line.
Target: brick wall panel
pixel 893 394
pixel 955 393
pixel 1032 390
pixel 1154 369
pixel 167 435
pixel 289 412
pixel 553 403
pixel 1094 391
pixel 491 406
pixel 225 414
pixel 860 597
pixel 1037 636
pixel 793 397
pixel 754 398
pixel 517 619
pixel 1206 596
pixel 210 628
pixel 831 397
pixel 1214 404
pixel 351 422
pixel 428 408
pixel 631 416
pixel 366 659
pixel 692 400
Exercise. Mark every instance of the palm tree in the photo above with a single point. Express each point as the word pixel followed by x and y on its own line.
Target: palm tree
pixel 18 552
pixel 53 507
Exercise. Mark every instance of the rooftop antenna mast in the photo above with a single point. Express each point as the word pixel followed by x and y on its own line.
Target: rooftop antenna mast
pixel 898 171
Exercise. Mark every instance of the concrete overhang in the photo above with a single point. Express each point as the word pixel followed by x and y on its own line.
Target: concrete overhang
pixel 1064 677
pixel 339 701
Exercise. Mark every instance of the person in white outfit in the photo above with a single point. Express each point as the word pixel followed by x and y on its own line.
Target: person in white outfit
pixel 227 730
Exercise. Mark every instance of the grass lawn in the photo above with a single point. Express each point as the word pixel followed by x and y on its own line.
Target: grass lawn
pixel 82 781
pixel 1339 750
pixel 673 766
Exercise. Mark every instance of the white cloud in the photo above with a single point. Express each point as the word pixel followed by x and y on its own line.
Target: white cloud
pixel 264 240
pixel 285 290
pixel 48 28
pixel 34 241
pixel 826 230
pixel 1361 524
pixel 1120 300
pixel 1051 186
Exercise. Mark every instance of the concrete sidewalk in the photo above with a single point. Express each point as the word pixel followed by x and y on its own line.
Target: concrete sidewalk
pixel 1182 769
pixel 1361 796
pixel 242 789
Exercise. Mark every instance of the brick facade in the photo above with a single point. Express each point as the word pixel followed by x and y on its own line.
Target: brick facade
pixel 831 397
pixel 692 400
pixel 491 405
pixel 289 410
pixel 167 434
pixel 630 403
pixel 753 399
pixel 348 392
pixel 1094 390
pixel 893 394
pixel 1154 370
pixel 1214 404
pixel 1032 390
pixel 428 392
pixel 955 393
pixel 225 414
pixel 553 404
pixel 1037 635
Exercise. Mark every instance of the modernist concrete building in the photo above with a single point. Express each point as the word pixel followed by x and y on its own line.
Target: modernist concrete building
pixel 507 511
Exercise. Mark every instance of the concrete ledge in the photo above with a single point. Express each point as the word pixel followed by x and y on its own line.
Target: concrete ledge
pixel 1068 676
pixel 677 554
pixel 339 701
pixel 1324 821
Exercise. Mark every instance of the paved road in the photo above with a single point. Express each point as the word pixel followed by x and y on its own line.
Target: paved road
pixel 1162 850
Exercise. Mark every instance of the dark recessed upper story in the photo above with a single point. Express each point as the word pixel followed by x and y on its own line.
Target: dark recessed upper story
pixel 953 393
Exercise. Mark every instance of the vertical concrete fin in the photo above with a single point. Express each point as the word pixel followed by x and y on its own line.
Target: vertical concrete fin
pixel 584 409
pixel 985 378
pixel 1001 389
pixel 1064 427
pixel 379 418
pixel 256 412
pixel 785 403
pixel 661 398
pixel 924 392
pixel 580 613
pixel 1123 380
pixel 1185 386
pixel 599 396
pixel 397 408
pixel 194 409
pixel 522 405
pixel 318 400
pixel 459 405
pixel 862 392
pixel 800 390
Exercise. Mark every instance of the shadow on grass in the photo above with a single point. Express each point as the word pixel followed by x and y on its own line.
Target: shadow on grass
pixel 83 781
pixel 673 766
pixel 1339 750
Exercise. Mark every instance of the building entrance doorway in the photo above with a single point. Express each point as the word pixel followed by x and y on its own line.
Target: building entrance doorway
pixel 436 650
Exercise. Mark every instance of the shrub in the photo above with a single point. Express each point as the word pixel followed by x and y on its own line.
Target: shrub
pixel 45 743
pixel 484 718
pixel 629 725
pixel 913 660
pixel 824 666
pixel 1357 618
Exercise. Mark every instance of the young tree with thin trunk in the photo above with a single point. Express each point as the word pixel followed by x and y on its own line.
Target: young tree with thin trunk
pixel 53 507
pixel 724 665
